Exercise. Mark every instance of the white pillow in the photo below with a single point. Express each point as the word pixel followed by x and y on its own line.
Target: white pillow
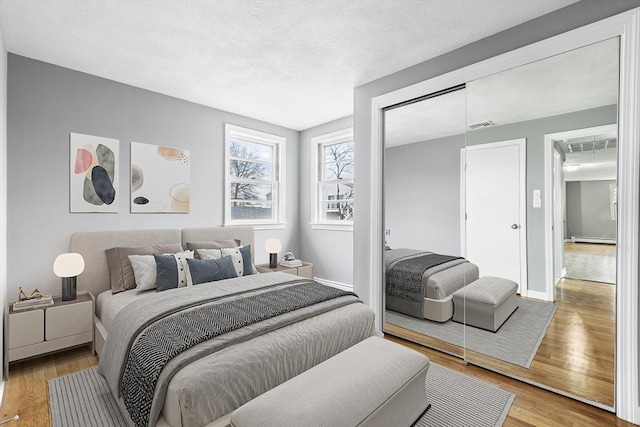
pixel 236 257
pixel 144 270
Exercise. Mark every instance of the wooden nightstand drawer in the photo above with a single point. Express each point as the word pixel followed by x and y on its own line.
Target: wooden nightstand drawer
pixel 305 270
pixel 26 328
pixel 67 320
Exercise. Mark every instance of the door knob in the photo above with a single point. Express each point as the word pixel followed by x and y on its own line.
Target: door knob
pixel 514 226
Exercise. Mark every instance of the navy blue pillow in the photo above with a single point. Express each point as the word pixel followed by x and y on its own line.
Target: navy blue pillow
pixel 210 270
pixel 247 265
pixel 167 272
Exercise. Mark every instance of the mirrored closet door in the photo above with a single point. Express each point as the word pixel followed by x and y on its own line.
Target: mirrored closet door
pixel 422 193
pixel 541 219
pixel 500 216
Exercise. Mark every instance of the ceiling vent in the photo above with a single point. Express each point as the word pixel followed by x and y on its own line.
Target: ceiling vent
pixel 481 125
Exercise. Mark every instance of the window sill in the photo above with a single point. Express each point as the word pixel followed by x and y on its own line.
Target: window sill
pixel 333 227
pixel 279 226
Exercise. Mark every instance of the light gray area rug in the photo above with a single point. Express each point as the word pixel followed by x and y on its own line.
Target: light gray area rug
pixel 457 400
pixel 82 399
pixel 595 268
pixel 516 342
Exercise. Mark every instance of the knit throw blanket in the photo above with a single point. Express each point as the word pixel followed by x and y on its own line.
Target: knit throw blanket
pixel 167 337
pixel 404 277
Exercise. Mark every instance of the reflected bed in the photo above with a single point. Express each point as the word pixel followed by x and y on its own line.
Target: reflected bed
pixel 421 284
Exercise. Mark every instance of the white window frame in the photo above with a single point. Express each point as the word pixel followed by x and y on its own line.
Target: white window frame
pixel 279 198
pixel 317 222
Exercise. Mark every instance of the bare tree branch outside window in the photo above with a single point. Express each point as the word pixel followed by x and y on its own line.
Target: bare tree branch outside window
pixel 339 166
pixel 246 169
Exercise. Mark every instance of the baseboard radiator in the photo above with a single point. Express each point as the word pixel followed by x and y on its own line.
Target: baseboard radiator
pixel 581 239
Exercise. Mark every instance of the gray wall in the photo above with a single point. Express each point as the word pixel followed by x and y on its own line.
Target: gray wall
pixel 558 22
pixel 46 102
pixel 589 209
pixel 331 251
pixel 422 195
pixel 534 131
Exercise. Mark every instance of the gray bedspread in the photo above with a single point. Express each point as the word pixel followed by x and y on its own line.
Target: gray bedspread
pixel 398 284
pixel 205 388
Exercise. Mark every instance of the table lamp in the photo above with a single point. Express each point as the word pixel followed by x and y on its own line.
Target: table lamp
pixel 68 266
pixel 273 246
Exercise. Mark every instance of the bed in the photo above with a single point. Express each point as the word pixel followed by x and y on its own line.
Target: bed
pixel 421 284
pixel 203 385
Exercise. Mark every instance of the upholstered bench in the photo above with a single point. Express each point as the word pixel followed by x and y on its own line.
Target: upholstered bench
pixel 374 383
pixel 486 303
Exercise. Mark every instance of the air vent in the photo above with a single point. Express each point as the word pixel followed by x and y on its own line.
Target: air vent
pixel 481 125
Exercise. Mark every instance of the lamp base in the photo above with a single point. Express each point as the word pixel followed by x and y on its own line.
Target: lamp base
pixel 69 288
pixel 273 260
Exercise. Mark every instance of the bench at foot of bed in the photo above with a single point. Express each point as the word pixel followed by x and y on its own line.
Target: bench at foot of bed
pixel 374 383
pixel 486 303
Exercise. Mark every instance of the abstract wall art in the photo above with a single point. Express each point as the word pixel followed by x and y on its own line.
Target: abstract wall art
pixel 160 179
pixel 94 173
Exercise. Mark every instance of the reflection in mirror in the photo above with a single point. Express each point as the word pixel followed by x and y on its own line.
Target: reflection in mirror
pixel 541 208
pixel 423 263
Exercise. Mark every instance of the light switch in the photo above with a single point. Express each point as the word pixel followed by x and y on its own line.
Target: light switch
pixel 537 200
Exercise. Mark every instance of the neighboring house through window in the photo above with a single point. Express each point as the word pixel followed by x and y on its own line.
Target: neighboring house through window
pixel 333 195
pixel 254 190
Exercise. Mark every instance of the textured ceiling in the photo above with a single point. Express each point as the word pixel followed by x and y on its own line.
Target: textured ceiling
pixel 292 63
pixel 573 81
pixel 432 118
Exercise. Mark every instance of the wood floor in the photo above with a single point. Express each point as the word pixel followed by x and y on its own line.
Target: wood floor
pixel 577 354
pixel 26 392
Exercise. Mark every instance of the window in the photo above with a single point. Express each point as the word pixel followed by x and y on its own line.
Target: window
pixel 333 180
pixel 254 191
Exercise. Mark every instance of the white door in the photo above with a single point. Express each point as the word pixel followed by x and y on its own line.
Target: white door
pixel 495 208
pixel 558 218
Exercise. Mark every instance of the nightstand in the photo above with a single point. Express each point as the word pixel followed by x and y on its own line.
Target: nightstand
pixel 305 270
pixel 38 331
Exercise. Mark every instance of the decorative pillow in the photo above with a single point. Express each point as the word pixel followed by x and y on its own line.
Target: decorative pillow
pixel 166 272
pixel 241 258
pixel 211 270
pixel 120 270
pixel 247 266
pixel 145 270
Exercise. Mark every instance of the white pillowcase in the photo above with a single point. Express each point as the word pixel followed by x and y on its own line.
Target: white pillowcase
pixel 145 273
pixel 236 257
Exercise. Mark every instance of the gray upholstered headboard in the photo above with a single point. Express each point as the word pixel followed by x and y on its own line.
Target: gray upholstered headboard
pixel 92 245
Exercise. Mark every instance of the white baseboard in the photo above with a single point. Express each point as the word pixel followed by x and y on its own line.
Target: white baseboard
pixel 338 285
pixel 537 295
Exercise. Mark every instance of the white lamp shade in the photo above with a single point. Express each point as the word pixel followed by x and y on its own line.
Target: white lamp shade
pixel 273 246
pixel 68 265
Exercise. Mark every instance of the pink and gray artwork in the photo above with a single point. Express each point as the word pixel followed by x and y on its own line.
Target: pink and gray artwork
pixel 160 179
pixel 94 173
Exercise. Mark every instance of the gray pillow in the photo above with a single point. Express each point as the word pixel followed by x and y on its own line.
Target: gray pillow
pixel 120 270
pixel 211 270
pixel 247 265
pixel 166 272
